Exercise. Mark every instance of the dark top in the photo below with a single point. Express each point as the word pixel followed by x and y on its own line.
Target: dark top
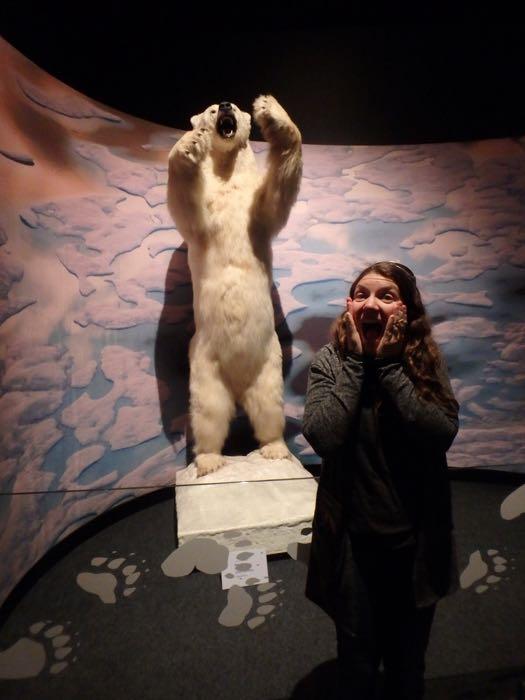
pixel 375 494
pixel 384 471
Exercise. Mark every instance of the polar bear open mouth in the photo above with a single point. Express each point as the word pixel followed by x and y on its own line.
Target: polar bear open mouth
pixel 226 125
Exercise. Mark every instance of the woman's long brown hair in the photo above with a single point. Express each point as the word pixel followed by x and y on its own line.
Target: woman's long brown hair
pixel 421 356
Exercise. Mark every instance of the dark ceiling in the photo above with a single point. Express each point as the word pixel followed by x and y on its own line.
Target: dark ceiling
pixel 356 84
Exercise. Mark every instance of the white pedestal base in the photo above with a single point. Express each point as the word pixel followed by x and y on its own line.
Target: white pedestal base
pixel 249 502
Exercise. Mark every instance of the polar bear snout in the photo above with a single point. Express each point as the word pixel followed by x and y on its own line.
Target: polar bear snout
pixel 226 124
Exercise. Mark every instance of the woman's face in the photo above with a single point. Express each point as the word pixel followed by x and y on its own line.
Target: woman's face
pixel 375 299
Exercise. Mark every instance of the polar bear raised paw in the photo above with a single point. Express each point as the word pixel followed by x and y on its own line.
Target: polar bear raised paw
pixel 273 120
pixel 275 450
pixel 193 146
pixel 208 462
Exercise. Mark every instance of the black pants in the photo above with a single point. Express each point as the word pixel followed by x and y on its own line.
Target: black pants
pixel 386 626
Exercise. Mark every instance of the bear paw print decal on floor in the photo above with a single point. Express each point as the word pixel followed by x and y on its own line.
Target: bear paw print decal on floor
pixel 50 647
pixel 111 578
pixel 240 603
pixel 486 572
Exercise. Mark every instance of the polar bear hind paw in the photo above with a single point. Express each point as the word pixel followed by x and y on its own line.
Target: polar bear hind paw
pixel 275 450
pixel 208 462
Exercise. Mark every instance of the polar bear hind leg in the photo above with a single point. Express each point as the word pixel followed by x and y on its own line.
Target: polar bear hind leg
pixel 212 408
pixel 263 403
pixel 208 462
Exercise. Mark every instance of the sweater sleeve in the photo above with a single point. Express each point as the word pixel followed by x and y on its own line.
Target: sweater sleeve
pixel 332 400
pixel 424 419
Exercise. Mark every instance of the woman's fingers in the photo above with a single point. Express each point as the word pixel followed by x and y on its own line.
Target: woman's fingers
pixel 353 339
pixel 392 341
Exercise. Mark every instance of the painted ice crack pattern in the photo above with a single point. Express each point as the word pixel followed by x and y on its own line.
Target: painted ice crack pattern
pixel 11 273
pixel 73 106
pixel 17 157
pixel 93 419
pixel 90 233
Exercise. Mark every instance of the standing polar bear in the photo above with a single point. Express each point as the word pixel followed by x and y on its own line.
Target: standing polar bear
pixel 227 212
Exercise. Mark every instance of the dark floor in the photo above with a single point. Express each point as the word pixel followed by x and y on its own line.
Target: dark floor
pixel 163 639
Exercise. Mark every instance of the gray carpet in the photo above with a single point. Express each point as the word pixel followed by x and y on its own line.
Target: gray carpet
pixel 162 638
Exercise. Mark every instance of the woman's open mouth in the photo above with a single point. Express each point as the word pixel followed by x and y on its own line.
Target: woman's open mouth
pixel 226 125
pixel 372 330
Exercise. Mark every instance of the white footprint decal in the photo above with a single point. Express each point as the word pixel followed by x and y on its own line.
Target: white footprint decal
pixel 478 570
pixel 107 585
pixel 49 646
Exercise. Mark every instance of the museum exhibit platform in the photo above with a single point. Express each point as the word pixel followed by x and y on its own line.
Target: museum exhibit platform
pixel 102 615
pixel 268 501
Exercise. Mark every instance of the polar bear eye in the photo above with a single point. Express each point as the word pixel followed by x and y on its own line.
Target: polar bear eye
pixel 212 111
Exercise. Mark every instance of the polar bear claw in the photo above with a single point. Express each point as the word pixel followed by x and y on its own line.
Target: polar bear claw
pixel 193 146
pixel 275 450
pixel 208 463
pixel 273 120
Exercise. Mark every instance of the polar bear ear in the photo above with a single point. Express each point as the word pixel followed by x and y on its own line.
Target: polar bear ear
pixel 194 121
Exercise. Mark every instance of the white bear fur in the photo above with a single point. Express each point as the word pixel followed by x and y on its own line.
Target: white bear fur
pixel 227 212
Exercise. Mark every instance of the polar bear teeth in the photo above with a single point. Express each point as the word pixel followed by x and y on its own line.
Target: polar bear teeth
pixel 226 127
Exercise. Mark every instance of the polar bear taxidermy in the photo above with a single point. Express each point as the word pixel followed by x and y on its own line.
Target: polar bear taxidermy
pixel 227 212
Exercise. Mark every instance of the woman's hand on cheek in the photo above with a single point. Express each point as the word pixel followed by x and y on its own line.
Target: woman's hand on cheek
pixel 393 340
pixel 353 339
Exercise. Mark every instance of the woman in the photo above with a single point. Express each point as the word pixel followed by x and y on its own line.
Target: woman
pixel 381 413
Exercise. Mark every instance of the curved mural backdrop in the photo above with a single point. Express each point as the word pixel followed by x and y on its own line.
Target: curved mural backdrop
pixel 96 304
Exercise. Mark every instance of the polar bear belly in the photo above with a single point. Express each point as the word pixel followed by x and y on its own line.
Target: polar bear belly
pixel 235 319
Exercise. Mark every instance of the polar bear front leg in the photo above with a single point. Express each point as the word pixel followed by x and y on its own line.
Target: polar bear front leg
pixel 280 187
pixel 186 182
pixel 190 150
